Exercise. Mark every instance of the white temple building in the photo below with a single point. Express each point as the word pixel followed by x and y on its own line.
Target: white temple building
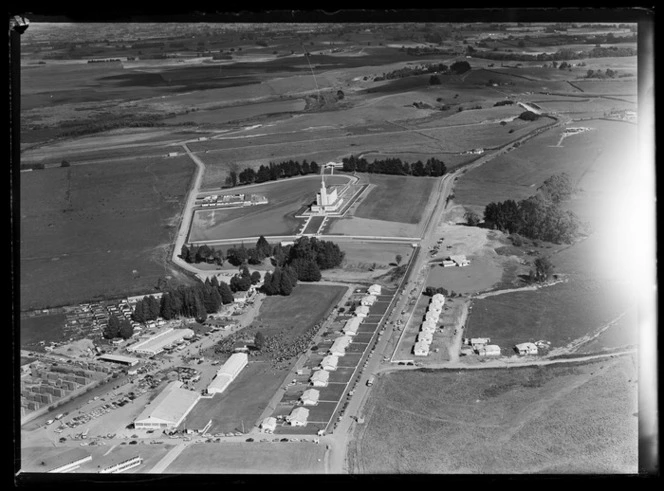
pixel 326 199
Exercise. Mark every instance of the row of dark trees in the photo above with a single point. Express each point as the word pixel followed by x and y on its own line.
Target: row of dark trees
pixel 432 167
pixel 280 281
pixel 557 188
pixel 535 217
pixel 561 54
pixel 272 172
pixel 412 71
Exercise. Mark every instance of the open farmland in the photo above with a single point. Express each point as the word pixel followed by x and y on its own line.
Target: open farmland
pixel 85 230
pixel 285 199
pixel 557 419
pixel 517 174
pixel 41 328
pixel 250 458
pixel 238 113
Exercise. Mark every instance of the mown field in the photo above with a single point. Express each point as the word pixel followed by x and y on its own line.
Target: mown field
pixel 285 199
pixel 44 327
pixel 396 198
pixel 556 419
pixel 241 403
pixel 292 315
pixel 85 229
pixel 250 458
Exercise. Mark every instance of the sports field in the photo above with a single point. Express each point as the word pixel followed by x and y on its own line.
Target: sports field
pixel 250 458
pixel 285 199
pixel 558 419
pixel 98 231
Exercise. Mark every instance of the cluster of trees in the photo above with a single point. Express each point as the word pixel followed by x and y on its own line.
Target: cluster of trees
pixel 529 116
pixel 535 218
pixel 117 328
pixel 430 291
pixel 272 172
pixel 201 254
pixel 557 188
pixel 412 71
pixel 432 167
pixel 194 301
pixel 238 256
pixel 242 281
pixel 280 281
pixel 503 103
pixel 561 54
pixel 608 73
pixel 105 61
pixel 543 270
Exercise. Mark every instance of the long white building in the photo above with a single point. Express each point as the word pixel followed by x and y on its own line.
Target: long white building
pixel 168 409
pixel 227 373
pixel 156 344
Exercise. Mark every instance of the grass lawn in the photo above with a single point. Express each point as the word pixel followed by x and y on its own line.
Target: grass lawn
pixel 396 198
pixel 285 198
pixel 557 419
pixel 43 327
pixel 241 403
pixel 250 458
pixel 85 229
pixel 292 315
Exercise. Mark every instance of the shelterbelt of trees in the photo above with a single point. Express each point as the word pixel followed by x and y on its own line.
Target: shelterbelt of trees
pixel 540 216
pixel 272 172
pixel 432 167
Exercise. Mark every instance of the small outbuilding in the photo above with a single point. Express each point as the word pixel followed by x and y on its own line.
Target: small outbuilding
pixel 526 349
pixel 477 343
pixel 489 350
pixel 268 425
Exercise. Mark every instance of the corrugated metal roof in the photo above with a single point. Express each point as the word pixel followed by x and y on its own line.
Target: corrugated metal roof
pixel 171 405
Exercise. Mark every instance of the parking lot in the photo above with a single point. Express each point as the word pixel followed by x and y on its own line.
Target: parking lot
pixel 333 397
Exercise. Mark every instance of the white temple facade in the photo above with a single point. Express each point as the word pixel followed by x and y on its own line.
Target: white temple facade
pixel 327 200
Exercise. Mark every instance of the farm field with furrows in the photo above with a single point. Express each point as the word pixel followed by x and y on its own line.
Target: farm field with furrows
pixel 285 199
pixel 85 230
pixel 527 420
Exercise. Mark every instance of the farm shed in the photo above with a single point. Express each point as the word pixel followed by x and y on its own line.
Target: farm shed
pixel 460 260
pixel 421 348
pixel 362 311
pixel 448 264
pixel 320 378
pixel 329 363
pixel 479 342
pixel 168 409
pixel 489 350
pixel 298 417
pixel 310 397
pixel 268 425
pixel 526 349
pixel 375 289
pixel 352 325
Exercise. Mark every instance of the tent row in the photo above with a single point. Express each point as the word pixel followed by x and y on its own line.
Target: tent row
pixel 428 327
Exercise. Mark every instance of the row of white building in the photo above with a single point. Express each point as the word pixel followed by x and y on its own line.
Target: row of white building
pixel 425 336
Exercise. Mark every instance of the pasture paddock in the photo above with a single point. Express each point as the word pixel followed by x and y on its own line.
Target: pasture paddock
pixel 556 419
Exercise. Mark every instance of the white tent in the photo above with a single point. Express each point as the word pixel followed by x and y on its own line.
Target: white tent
pixel 329 363
pixel 375 289
pixel 310 397
pixel 438 298
pixel 320 378
pixel 269 424
pixel 298 417
pixel 421 348
pixel 433 316
pixel 429 326
pixel 362 311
